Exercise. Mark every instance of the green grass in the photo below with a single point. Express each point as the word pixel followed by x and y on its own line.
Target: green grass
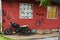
pixel 0 24
pixel 1 35
pixel 4 38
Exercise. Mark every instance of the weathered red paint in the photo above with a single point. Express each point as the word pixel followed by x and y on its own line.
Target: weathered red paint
pixel 13 12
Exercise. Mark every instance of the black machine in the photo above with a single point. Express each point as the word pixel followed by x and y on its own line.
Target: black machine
pixel 17 29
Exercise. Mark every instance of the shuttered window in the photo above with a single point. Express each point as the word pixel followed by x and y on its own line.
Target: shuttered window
pixel 51 12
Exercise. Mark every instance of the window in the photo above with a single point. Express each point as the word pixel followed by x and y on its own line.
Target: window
pixel 26 11
pixel 51 12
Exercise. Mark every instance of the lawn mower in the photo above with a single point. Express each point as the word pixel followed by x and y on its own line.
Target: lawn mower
pixel 17 29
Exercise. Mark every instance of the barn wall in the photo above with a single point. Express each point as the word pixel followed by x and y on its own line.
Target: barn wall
pixel 13 13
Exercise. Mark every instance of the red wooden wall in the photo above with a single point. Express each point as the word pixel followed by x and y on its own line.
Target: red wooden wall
pixel 13 12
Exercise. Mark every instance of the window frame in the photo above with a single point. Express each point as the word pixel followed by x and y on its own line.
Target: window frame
pixel 56 12
pixel 20 11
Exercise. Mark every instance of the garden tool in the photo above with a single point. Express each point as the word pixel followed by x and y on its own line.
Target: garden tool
pixel 42 18
pixel 37 20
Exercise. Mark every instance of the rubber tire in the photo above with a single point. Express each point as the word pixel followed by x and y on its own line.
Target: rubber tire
pixel 26 32
pixel 8 31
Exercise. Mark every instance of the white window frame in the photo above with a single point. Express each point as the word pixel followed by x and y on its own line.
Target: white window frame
pixel 19 11
pixel 56 12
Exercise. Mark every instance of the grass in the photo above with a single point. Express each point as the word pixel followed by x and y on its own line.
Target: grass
pixel 0 24
pixel 1 35
pixel 4 38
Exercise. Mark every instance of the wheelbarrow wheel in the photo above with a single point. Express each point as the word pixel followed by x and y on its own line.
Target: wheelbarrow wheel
pixel 8 31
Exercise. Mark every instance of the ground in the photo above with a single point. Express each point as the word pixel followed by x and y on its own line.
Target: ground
pixel 35 36
pixel 4 38
pixel 1 35
pixel 52 36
